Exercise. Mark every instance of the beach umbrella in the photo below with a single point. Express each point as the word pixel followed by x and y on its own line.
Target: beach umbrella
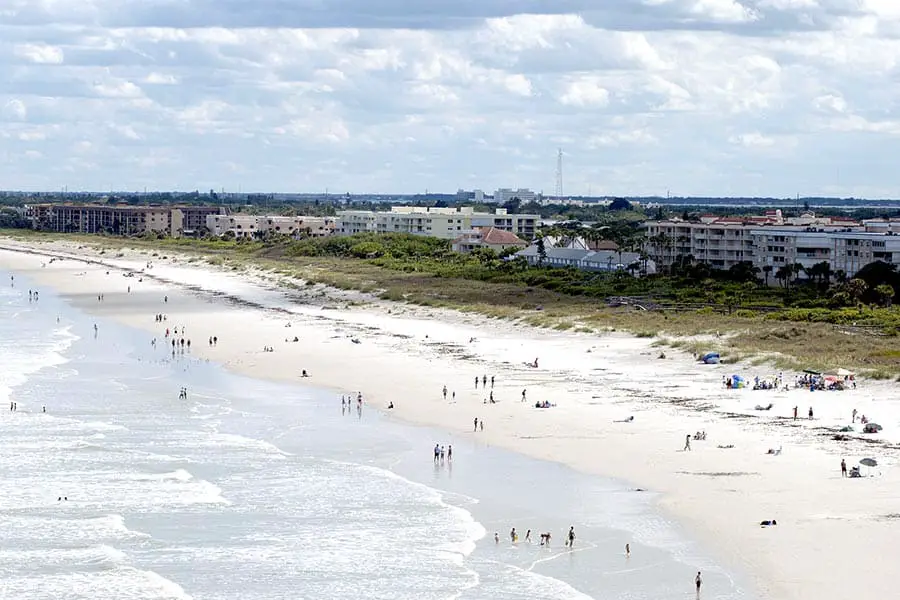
pixel 868 462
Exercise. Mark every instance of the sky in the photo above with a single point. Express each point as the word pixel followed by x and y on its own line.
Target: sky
pixel 644 97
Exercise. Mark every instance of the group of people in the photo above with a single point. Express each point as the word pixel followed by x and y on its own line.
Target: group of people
pixel 440 454
pixel 545 538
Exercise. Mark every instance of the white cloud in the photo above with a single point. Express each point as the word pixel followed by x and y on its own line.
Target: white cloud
pixel 696 96
pixel 40 54
pixel 585 91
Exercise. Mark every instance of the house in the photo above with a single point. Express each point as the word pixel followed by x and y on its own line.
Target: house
pixel 487 237
pixel 588 260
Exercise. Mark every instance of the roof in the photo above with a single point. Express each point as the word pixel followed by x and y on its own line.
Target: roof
pixel 498 237
pixel 604 245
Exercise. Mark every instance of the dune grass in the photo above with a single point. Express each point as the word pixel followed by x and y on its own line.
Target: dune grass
pixel 760 339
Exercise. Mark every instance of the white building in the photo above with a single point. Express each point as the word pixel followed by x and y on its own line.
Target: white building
pixel 843 249
pixel 504 195
pixel 261 225
pixel 444 223
pixel 723 242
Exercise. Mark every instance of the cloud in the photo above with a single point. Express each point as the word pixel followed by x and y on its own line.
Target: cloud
pixel 694 96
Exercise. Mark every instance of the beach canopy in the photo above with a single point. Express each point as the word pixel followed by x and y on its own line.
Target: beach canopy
pixel 811 372
pixel 869 462
pixel 844 373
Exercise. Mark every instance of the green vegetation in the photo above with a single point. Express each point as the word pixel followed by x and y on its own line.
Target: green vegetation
pixel 825 324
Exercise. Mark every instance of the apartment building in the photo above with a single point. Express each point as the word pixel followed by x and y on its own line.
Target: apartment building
pixel 525 196
pixel 444 223
pixel 721 243
pixel 261 225
pixel 771 240
pixel 844 249
pixel 120 219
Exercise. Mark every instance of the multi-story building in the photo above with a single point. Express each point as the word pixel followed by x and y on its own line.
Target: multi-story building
pixel 524 195
pixel 444 223
pixel 261 225
pixel 773 241
pixel 844 249
pixel 121 219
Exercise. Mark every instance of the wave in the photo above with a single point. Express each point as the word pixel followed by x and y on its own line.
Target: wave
pixel 472 530
pixel 176 475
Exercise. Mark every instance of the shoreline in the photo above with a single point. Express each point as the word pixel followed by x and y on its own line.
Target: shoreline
pixel 719 494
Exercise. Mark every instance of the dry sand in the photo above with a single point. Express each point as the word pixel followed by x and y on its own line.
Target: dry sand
pixel 835 539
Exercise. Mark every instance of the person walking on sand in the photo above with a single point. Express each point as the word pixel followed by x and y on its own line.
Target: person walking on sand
pixel 492 382
pixel 481 424
pixel 476 424
pixel 698 581
pixel 795 413
pixel 476 382
pixel 528 536
pixel 627 550
pixel 843 468
pixel 523 395
pixel 810 413
pixel 687 443
pixel 445 392
pixel 854 416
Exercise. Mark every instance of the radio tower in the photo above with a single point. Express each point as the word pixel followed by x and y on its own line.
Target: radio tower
pixel 559 175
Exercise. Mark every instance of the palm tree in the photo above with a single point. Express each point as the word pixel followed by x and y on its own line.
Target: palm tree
pixel 767 270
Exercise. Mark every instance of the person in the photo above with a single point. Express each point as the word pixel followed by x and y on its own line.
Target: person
pixel 687 442
pixel 528 536
pixel 304 373
pixel 437 452
pixel 854 415
pixel 445 392
pixel 523 395
pixel 391 405
pixel 476 382
pixel 768 523
pixel 513 537
pixel 698 581
pixel 843 468
pixel 492 382
pixel 570 542
pixel 481 424
pixel 476 424
pixel 496 537
pixel 810 413
pixel 449 452
pixel 627 550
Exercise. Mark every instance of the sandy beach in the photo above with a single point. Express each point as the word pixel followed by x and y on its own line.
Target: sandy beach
pixel 834 535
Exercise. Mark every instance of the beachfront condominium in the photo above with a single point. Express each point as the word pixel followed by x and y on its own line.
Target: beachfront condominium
pixel 444 223
pixel 844 249
pixel 773 241
pixel 246 226
pixel 118 219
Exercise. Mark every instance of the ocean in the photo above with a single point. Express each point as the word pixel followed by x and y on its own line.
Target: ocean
pixel 254 490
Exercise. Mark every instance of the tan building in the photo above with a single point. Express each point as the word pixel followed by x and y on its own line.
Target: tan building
pixel 118 219
pixel 723 242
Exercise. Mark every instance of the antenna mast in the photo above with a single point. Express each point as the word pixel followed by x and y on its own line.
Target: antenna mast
pixel 559 175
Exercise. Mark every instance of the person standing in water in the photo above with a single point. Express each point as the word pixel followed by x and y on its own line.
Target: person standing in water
pixel 570 542
pixel 698 581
